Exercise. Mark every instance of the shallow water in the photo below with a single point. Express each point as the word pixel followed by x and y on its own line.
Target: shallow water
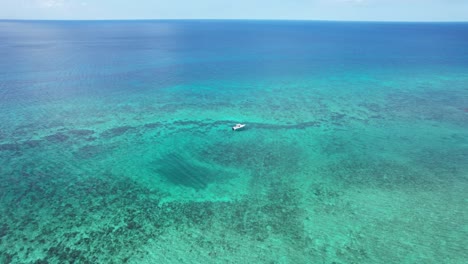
pixel 116 143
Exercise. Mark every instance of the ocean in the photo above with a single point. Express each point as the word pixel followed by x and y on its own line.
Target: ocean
pixel 116 143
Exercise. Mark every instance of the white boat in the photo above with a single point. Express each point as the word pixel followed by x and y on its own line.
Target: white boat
pixel 238 126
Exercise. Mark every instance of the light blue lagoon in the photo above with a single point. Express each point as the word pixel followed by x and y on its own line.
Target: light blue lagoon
pixel 116 143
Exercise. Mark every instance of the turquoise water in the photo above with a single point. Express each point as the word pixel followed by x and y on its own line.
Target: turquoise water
pixel 116 143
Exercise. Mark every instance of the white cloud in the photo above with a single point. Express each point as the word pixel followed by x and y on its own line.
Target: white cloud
pixel 51 3
pixel 353 1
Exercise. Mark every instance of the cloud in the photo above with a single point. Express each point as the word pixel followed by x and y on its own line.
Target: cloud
pixel 51 3
pixel 353 1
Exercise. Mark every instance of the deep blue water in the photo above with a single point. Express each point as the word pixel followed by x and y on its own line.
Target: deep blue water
pixel 114 54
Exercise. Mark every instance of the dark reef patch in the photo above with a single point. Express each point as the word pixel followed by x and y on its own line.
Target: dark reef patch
pixel 33 143
pixel 116 131
pixel 70 205
pixel 377 173
pixel 108 218
pixel 230 123
pixel 4 228
pixel 279 213
pixel 181 171
pixel 188 123
pixel 9 147
pixel 57 138
pixel 6 258
pixel 90 151
pixel 263 156
pixel 439 106
pixel 153 125
pixel 81 132
pixel 303 125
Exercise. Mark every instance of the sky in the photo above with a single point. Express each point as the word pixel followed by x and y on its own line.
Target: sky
pixel 361 10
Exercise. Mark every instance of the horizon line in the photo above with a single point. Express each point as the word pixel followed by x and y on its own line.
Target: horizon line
pixel 237 19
